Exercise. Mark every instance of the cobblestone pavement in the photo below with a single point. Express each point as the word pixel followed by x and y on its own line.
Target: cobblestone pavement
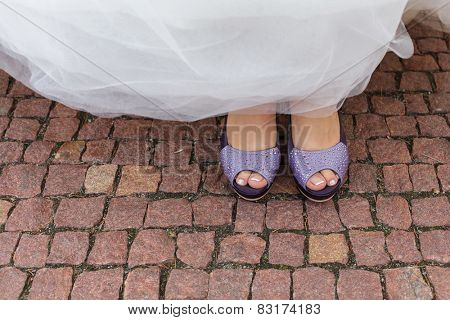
pixel 133 208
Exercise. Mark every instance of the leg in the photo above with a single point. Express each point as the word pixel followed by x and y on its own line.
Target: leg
pixel 252 132
pixel 311 131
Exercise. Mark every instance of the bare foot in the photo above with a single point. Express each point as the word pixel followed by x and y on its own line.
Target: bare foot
pixel 251 132
pixel 313 134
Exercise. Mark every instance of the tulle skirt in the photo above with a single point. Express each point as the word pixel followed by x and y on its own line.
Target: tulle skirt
pixel 191 59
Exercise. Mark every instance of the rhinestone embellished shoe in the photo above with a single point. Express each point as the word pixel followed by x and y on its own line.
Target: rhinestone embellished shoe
pixel 305 163
pixel 265 162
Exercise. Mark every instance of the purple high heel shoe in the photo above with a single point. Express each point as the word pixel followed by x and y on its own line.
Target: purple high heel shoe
pixel 304 164
pixel 265 162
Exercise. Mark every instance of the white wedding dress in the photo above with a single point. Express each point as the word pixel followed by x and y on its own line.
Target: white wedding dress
pixel 191 59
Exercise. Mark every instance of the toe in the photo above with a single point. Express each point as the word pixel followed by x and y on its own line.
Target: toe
pixel 242 178
pixel 316 182
pixel 330 176
pixel 257 181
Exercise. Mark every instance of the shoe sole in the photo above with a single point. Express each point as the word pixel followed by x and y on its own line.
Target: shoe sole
pixel 253 199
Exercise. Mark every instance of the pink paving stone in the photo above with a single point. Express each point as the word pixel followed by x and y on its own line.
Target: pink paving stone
pixel 216 182
pixel 271 284
pixel 357 149
pixel 131 129
pixel 61 129
pixel 109 248
pixel 100 178
pixel 432 45
pixel 242 248
pixel 359 285
pixel 203 129
pixel 138 179
pixel 19 89
pixel 362 177
pixel 328 248
pixel 286 215
pixel 370 125
pixel 61 111
pixel 439 279
pixel 151 246
pixel 286 248
pixel 5 206
pixel 355 212
pixel 22 181
pixel 187 284
pixel 12 282
pixel 207 150
pixel 313 283
pixel 96 129
pixel 64 179
pixel 388 151
pixel 23 129
pixel 125 213
pixel 390 62
pixel 444 61
pixel 98 151
pixel 284 183
pixel 38 152
pixel 430 212
pixel 249 216
pixel 98 285
pixel 32 251
pixel 142 284
pixel 181 179
pixel 4 82
pixel 421 63
pixel 169 213
pixel 5 105
pixel 387 105
pixel 173 153
pixel 394 211
pixel 435 245
pixel 69 152
pixel 323 217
pixel 30 215
pixel 171 130
pixel 10 152
pixel 368 247
pixel 32 108
pixel 440 102
pixel 415 81
pixel 213 211
pixel 406 284
pixel 355 105
pixel 195 249
pixel 3 124
pixel 69 247
pixel 346 121
pixel 443 172
pixel 423 177
pixel 415 103
pixel 433 126
pixel 431 150
pixel 79 212
pixel 442 80
pixel 229 284
pixel 396 178
pixel 382 81
pixel 402 246
pixel 135 152
pixel 51 284
pixel 402 126
pixel 8 242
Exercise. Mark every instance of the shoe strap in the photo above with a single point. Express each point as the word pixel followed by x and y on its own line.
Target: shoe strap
pixel 306 163
pixel 265 162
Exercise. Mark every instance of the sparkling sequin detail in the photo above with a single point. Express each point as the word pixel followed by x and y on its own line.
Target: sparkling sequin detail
pixel 265 162
pixel 305 163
